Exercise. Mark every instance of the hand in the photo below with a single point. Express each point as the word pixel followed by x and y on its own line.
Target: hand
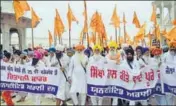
pixel 69 80
pixel 62 69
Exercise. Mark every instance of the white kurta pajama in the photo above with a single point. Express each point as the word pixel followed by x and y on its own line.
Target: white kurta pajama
pixel 135 71
pixel 169 59
pixel 36 97
pixel 143 62
pixel 77 75
pixel 62 85
pixel 114 99
pixel 101 60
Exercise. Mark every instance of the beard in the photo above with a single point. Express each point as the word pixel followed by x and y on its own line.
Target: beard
pixel 34 61
pixel 96 57
pixel 112 53
pixel 130 59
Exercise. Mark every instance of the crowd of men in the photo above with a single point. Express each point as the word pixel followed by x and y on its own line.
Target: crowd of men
pixel 73 63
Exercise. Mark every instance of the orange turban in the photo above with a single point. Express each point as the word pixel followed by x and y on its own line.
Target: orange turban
pixel 156 51
pixel 172 44
pixel 79 47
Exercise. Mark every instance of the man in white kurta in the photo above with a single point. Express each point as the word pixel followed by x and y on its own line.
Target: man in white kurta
pixel 36 62
pixel 19 60
pixel 61 61
pixel 96 58
pixel 77 76
pixel 156 62
pixel 132 65
pixel 112 58
pixel 170 58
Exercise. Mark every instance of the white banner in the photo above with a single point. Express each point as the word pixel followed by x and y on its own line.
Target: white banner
pixel 168 76
pixel 29 79
pixel 112 80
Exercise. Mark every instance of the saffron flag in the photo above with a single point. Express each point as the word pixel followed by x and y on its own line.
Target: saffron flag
pixel 115 19
pixel 19 11
pixel 141 33
pixel 136 21
pixel 153 16
pixel 58 25
pixel 70 17
pixel 24 5
pixel 35 18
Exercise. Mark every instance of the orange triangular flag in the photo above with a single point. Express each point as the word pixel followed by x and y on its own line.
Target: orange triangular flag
pixel 70 17
pixel 172 34
pixel 136 21
pixel 153 16
pixel 24 5
pixel 35 18
pixel 141 32
pixel 115 18
pixel 58 25
pixel 19 11
pixel 95 23
pixel 50 38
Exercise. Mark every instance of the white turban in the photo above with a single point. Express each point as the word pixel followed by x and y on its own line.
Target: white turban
pixel 60 47
pixel 125 45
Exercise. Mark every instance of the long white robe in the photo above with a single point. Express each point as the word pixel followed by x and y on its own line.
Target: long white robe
pixel 63 88
pixel 78 74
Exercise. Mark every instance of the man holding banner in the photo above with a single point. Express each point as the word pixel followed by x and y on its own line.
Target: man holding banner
pixel 170 58
pixel 96 59
pixel 112 57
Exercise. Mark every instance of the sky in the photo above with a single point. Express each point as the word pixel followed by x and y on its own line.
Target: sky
pixel 46 11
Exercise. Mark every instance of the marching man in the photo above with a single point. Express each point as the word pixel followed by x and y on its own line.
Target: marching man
pixel 96 58
pixel 170 58
pixel 37 62
pixel 113 58
pixel 77 76
pixel 62 62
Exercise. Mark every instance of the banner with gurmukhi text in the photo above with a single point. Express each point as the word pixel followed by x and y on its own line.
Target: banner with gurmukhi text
pixel 111 80
pixel 168 76
pixel 42 80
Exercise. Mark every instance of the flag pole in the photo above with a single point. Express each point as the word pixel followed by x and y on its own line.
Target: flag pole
pixel 87 39
pixel 116 34
pixel 32 38
pixel 124 32
pixel 70 38
pixel 119 35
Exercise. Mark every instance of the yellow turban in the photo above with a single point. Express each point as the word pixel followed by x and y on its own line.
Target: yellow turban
pixel 113 44
pixel 97 47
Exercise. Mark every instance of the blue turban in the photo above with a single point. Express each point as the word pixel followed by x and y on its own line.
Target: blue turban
pixel 52 49
pixel 145 50
pixel 87 51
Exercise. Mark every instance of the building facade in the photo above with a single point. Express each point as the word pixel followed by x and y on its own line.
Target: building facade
pixel 165 21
